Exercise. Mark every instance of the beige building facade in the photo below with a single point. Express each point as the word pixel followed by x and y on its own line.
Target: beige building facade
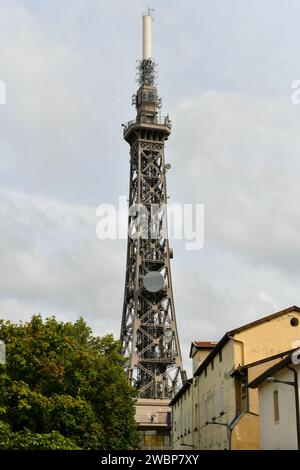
pixel 224 410
pixel 182 418
pixel 279 393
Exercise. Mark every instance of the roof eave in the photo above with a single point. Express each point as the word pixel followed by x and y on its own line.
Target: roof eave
pixel 268 373
pixel 212 354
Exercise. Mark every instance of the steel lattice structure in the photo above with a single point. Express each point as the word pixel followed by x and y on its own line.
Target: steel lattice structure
pixel 148 332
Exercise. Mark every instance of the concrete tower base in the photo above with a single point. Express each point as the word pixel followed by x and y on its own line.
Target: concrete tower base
pixel 154 423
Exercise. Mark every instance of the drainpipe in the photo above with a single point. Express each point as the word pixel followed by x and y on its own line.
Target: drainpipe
pixel 296 388
pixel 241 342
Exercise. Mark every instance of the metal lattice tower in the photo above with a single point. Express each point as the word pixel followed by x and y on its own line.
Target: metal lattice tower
pixel 149 333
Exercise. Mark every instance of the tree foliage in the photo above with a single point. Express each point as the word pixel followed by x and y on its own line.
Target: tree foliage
pixel 63 388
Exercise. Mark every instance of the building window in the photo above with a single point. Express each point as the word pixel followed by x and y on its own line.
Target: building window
pixel 213 405
pixel 205 371
pixel 206 409
pixel 212 365
pixel 220 356
pixel 157 439
pixel 222 404
pixel 196 417
pixel 241 393
pixel 244 388
pixel 294 321
pixel 276 406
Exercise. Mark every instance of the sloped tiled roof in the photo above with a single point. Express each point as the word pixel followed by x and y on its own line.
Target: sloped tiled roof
pixel 204 344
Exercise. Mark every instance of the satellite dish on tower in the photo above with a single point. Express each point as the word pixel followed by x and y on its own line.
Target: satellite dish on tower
pixel 154 281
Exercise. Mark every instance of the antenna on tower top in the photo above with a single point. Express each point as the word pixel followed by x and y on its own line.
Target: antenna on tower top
pixel 150 10
pixel 147 35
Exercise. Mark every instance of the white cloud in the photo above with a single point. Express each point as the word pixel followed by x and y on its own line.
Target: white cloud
pixel 52 262
pixel 240 157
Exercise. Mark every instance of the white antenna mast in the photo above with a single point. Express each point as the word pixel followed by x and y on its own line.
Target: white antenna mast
pixel 147 34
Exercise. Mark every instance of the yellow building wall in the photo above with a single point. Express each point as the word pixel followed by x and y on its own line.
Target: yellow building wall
pixel 199 356
pixel 245 434
pixel 268 338
pixel 263 340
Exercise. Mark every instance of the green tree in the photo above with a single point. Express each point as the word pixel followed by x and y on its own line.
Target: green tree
pixel 23 440
pixel 63 388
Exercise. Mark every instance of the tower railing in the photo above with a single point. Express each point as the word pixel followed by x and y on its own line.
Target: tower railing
pixel 161 121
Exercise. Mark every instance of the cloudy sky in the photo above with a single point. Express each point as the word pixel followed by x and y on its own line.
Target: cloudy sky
pixel 226 69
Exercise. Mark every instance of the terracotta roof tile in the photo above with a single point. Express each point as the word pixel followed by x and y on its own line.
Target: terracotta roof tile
pixel 204 344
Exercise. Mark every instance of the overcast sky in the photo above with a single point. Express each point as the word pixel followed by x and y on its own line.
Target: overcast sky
pixel 225 74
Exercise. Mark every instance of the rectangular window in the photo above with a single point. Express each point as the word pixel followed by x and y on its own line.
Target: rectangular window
pixel 222 404
pixel 276 406
pixel 205 371
pixel 213 405
pixel 241 393
pixel 166 441
pixel 206 409
pixel 220 356
pixel 244 388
